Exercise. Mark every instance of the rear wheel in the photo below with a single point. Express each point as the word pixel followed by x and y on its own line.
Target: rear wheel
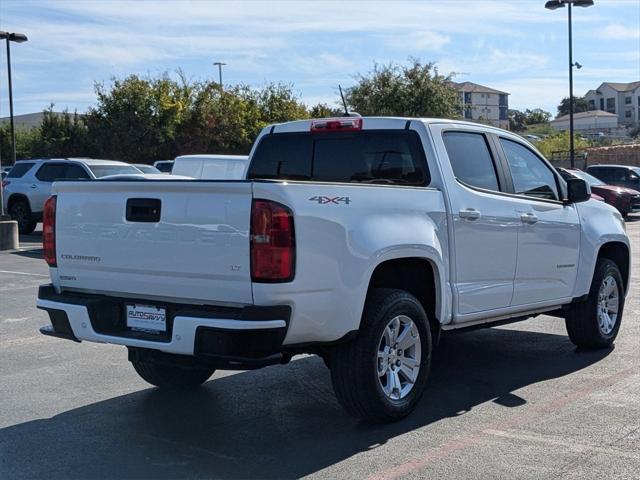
pixel 21 213
pixel 169 376
pixel 381 375
pixel 595 323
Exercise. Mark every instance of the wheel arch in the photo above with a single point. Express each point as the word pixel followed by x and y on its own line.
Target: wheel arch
pixel 418 275
pixel 618 252
pixel 15 197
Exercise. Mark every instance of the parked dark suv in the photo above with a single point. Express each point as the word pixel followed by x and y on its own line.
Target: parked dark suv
pixel 620 175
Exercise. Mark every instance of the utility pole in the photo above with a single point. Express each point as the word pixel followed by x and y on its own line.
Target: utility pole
pixel 571 148
pixel 220 65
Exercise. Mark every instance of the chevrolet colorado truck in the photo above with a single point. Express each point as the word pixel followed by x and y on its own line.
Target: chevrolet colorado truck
pixel 361 240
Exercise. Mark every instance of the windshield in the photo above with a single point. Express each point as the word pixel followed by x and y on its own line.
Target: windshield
pixel 104 170
pixel 590 179
pixel 147 169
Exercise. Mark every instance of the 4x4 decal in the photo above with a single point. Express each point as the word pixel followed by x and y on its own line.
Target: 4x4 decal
pixel 322 200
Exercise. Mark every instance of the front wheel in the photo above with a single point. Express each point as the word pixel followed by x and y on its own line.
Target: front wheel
pixel 381 375
pixel 595 323
pixel 169 376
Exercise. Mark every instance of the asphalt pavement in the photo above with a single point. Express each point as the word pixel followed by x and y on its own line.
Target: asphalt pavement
pixel 518 401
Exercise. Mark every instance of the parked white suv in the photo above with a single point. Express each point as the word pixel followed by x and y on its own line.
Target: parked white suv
pixel 358 239
pixel 29 182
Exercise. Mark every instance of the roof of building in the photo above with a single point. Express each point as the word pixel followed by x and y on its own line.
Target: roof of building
pixel 618 86
pixel 476 88
pixel 589 114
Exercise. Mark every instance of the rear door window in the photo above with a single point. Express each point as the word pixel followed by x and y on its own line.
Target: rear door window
pixel 19 169
pixel 605 174
pixel 393 157
pixel 50 172
pixel 471 159
pixel 75 172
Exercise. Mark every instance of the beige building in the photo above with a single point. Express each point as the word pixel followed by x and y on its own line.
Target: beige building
pixel 594 121
pixel 621 99
pixel 483 104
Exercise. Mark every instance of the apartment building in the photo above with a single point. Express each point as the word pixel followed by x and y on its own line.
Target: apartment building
pixel 621 99
pixel 483 104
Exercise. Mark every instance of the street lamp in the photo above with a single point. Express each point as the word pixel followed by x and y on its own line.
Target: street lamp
pixel 18 38
pixel 553 5
pixel 220 65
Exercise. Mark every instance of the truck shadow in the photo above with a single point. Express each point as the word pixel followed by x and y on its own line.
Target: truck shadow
pixel 279 422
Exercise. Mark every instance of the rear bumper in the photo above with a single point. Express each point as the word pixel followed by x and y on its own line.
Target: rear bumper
pixel 233 337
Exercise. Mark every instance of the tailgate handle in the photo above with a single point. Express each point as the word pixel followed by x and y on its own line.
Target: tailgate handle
pixel 143 209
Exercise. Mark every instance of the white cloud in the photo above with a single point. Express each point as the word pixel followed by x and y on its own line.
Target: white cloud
pixel 616 31
pixel 495 61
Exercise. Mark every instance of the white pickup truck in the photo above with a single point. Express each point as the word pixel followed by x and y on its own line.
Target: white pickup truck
pixel 357 239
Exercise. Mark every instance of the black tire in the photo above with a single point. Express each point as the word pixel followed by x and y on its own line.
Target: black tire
pixel 582 319
pixel 174 377
pixel 20 211
pixel 354 366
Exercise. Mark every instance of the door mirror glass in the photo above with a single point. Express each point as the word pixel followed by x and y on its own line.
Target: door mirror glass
pixel 577 190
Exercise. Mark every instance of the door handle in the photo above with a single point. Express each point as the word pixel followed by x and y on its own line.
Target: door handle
pixel 528 217
pixel 469 214
pixel 34 186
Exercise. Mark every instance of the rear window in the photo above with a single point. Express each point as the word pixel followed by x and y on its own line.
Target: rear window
pixel 377 156
pixel 105 170
pixel 19 169
pixel 164 167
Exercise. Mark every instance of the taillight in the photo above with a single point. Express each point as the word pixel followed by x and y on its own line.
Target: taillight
pixel 336 125
pixel 5 183
pixel 49 231
pixel 272 242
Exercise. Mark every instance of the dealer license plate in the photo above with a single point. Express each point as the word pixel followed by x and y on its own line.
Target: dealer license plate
pixel 146 317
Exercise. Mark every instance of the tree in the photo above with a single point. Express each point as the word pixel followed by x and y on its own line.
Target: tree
pixel 322 110
pixel 517 120
pixel 61 135
pixel 537 115
pixel 136 119
pixel 559 143
pixel 580 104
pixel 26 142
pixel 417 90
pixel 228 121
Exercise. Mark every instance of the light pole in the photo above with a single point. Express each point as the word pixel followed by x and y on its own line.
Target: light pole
pixel 220 65
pixel 18 38
pixel 553 5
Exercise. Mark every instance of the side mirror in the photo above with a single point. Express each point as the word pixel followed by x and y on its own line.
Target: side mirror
pixel 577 190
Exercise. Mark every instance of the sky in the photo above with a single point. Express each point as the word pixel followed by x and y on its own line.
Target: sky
pixel 512 45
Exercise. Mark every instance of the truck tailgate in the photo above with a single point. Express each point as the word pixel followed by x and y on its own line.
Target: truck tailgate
pixel 110 239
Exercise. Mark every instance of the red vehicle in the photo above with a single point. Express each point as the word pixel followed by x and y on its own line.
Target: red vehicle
pixel 625 200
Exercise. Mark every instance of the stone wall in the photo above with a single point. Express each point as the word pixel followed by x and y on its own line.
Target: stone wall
pixel 616 154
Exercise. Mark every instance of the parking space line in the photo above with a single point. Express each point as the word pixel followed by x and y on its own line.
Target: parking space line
pixel 24 273
pixel 450 447
pixel 577 447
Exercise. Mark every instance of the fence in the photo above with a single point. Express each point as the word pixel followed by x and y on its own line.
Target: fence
pixel 616 154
